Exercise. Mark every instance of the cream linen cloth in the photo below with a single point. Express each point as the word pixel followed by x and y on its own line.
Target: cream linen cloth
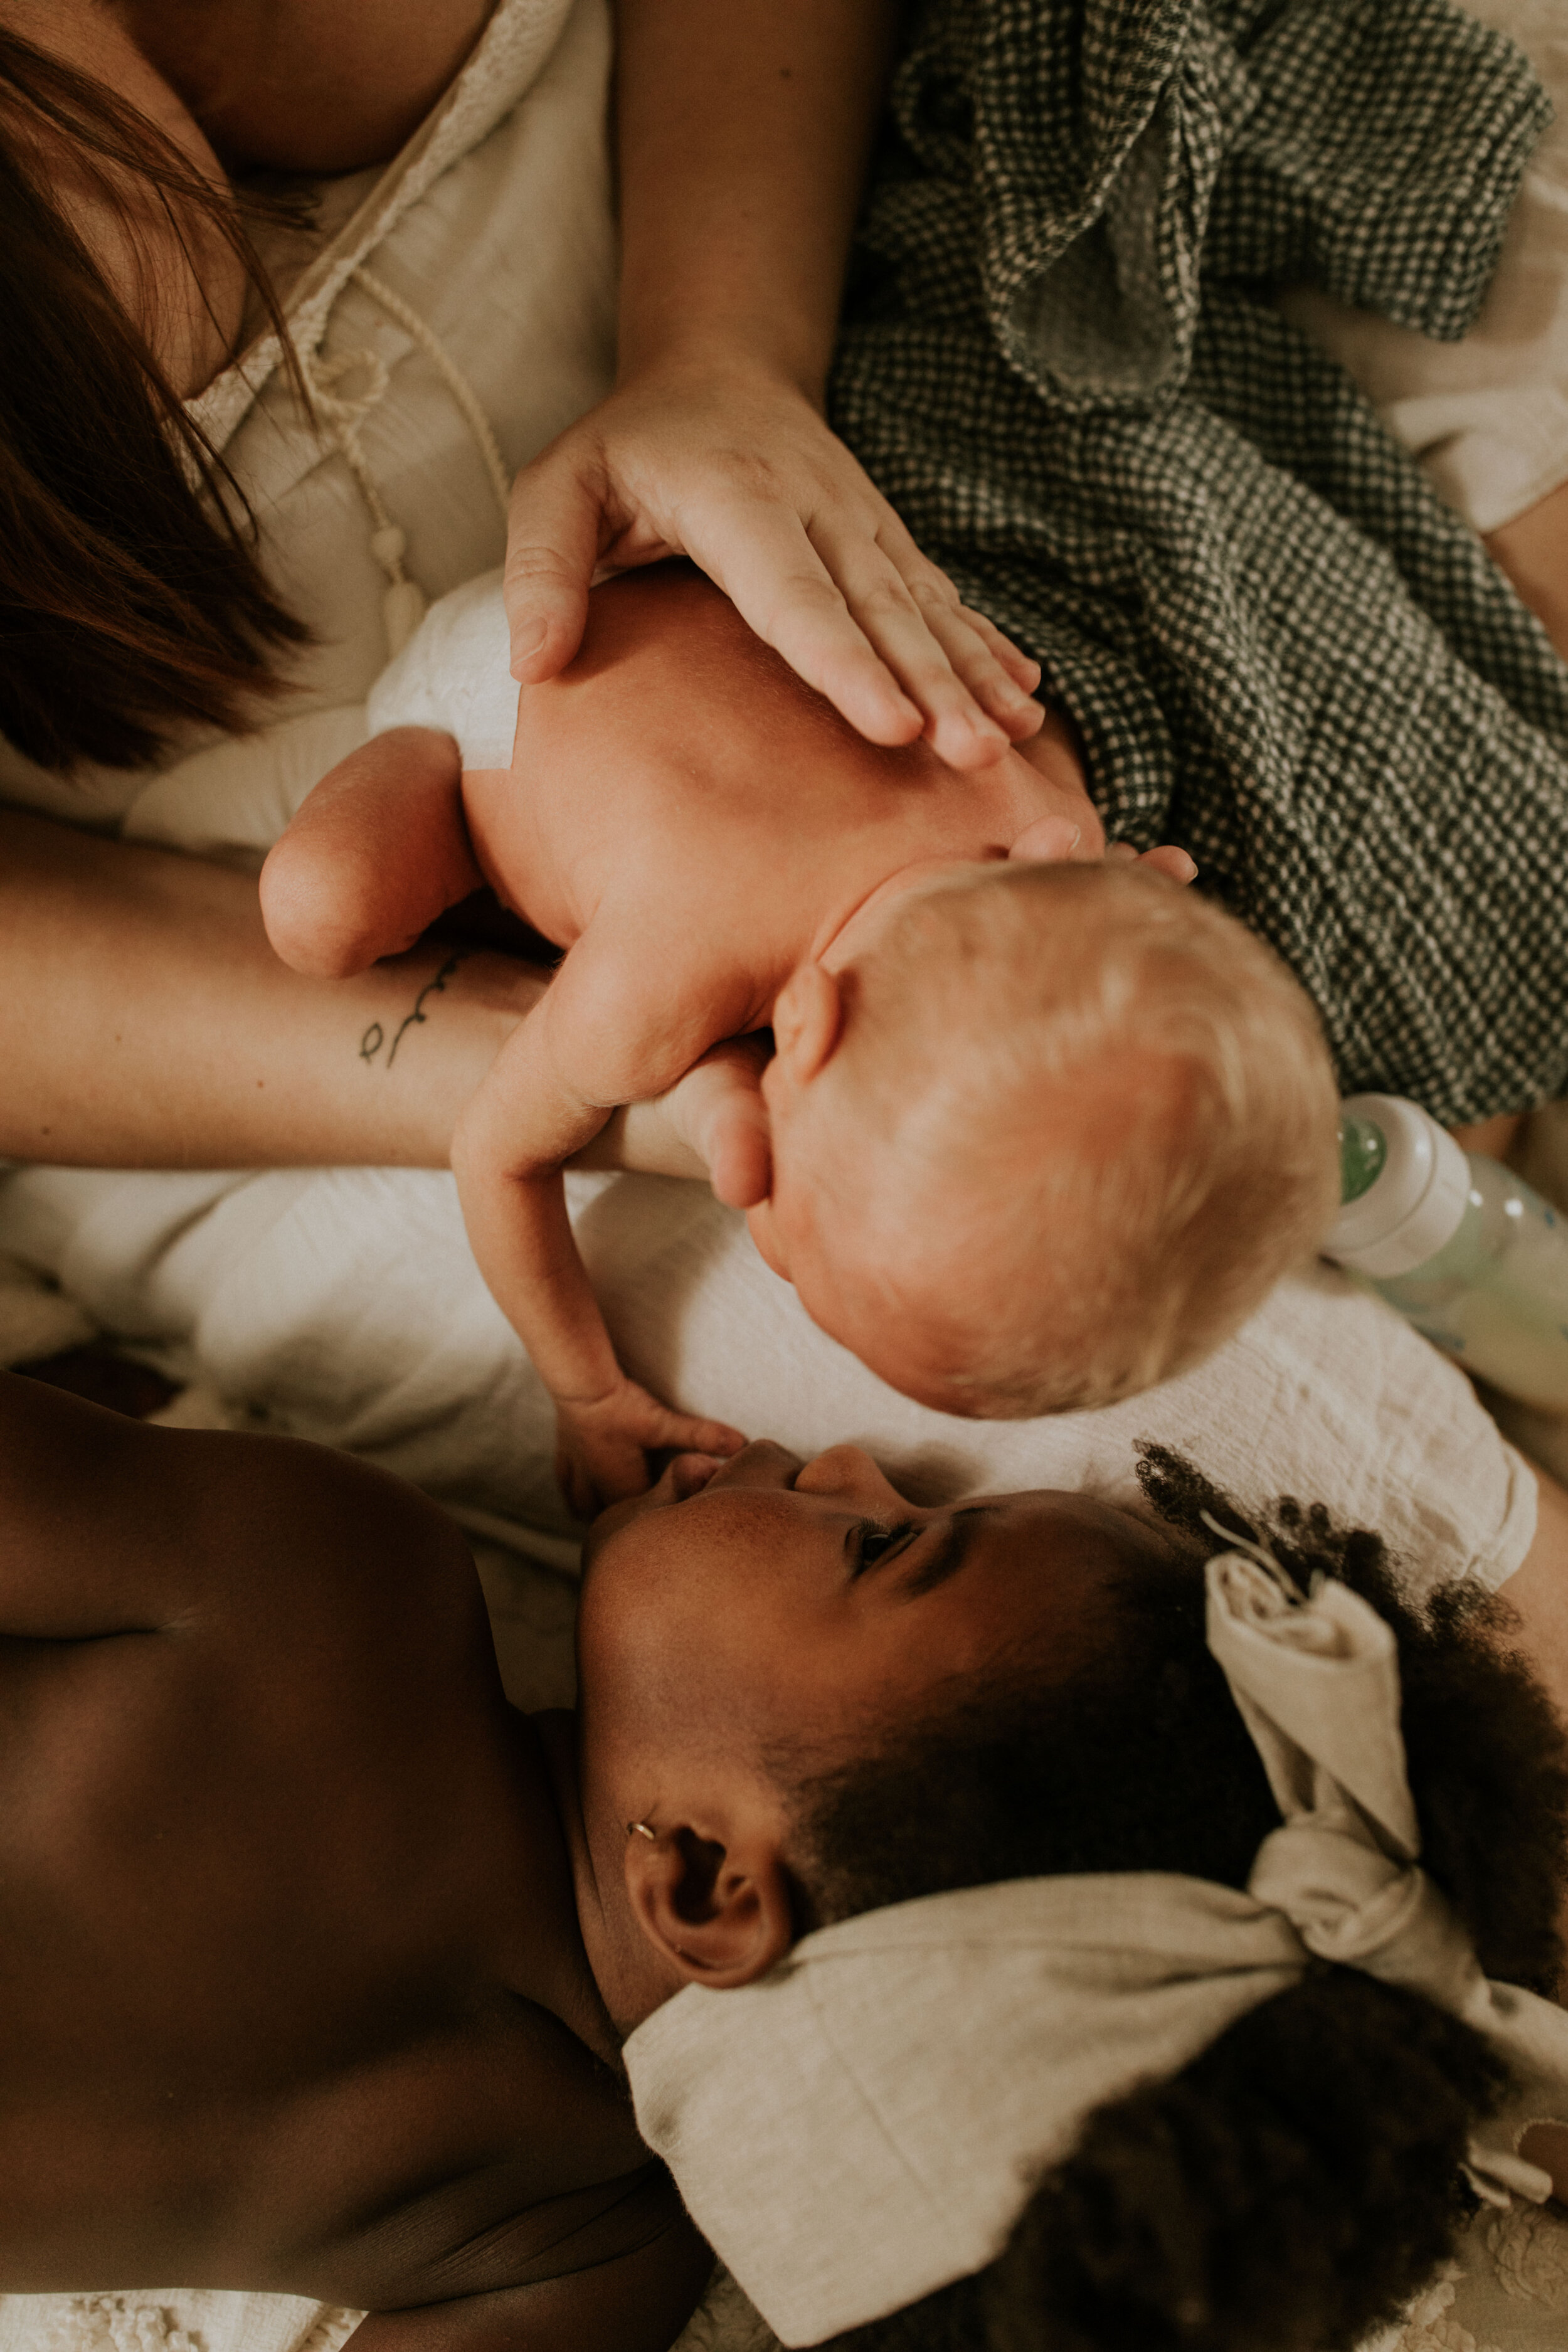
pixel 1488 416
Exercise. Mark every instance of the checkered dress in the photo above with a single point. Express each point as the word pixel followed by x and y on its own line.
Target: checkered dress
pixel 1283 651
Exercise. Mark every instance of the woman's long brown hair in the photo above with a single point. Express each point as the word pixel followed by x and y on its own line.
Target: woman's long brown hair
pixel 130 600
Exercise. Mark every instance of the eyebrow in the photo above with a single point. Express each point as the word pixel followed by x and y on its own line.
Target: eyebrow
pixel 950 1555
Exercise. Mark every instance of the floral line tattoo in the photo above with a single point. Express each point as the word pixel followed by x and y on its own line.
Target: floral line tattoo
pixel 375 1037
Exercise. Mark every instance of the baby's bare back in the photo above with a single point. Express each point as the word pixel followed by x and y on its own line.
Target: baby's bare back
pixel 679 787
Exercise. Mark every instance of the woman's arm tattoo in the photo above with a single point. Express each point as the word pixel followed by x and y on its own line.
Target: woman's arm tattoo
pixel 375 1037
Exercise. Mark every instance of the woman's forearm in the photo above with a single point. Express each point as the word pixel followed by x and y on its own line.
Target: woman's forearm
pixel 744 127
pixel 144 1022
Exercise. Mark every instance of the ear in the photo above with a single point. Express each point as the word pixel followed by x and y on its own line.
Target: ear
pixel 808 1019
pixel 720 1914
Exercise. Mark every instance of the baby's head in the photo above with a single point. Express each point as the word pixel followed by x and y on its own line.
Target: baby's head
pixel 1048 1139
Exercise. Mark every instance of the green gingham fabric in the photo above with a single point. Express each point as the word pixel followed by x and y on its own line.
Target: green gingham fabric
pixel 1062 365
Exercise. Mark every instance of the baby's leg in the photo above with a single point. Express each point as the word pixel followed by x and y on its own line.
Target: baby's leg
pixel 375 854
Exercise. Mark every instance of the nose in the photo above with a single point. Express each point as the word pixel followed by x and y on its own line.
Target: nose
pixel 847 1471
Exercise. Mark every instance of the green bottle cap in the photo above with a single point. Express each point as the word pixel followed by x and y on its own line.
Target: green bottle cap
pixel 1364 1148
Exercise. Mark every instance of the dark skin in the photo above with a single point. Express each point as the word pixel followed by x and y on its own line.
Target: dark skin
pixel 295 1997
pixel 319 1961
pixel 319 1958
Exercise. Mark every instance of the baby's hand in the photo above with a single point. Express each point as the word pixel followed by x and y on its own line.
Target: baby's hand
pixel 719 1109
pixel 602 1443
pixel 1173 862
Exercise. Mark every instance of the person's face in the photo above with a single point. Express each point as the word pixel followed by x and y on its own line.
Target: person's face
pixel 740 1615
pixel 834 1223
pixel 883 1283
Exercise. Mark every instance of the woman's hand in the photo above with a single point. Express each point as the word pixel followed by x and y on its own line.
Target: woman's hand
pixel 733 466
pixel 742 135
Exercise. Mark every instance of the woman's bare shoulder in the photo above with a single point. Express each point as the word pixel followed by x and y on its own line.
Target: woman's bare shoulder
pixel 314 86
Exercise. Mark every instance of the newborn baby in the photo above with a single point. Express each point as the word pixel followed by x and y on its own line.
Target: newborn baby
pixel 1035 1135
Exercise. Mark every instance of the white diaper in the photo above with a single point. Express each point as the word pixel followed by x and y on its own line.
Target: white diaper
pixel 455 673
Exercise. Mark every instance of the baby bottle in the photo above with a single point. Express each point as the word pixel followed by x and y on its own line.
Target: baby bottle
pixel 1472 1257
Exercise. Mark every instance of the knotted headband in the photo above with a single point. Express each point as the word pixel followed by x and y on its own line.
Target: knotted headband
pixel 868 2122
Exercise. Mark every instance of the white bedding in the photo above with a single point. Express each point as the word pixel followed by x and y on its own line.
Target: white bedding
pixel 343 1305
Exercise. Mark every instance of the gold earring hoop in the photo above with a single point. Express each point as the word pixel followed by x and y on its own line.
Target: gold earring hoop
pixel 641 1829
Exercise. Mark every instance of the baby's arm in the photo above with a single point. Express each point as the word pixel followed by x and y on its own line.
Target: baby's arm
pixel 606 1032
pixel 377 851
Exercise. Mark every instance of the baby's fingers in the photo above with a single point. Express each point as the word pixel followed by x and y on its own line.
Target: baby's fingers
pixel 601 1457
pixel 581 1490
pixel 1173 862
pixel 684 1434
pixel 1168 860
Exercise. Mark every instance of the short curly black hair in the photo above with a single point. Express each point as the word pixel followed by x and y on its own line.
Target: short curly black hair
pixel 1296 2183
